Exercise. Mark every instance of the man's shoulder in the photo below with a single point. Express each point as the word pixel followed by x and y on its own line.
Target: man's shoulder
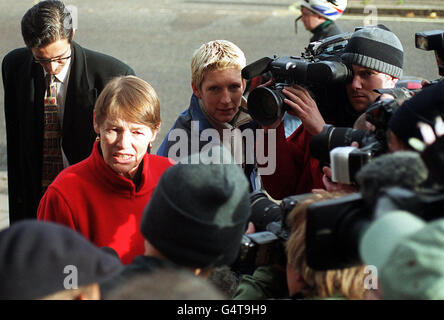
pixel 16 57
pixel 97 59
pixel 102 62
pixel 181 124
pixel 183 120
pixel 333 29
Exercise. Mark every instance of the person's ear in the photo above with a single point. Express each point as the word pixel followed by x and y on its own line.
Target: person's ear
pixel 155 131
pixel 196 91
pixel 153 138
pixel 96 125
pixel 295 282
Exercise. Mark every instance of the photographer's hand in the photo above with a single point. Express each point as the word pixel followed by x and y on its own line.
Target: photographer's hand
pixel 305 108
pixel 398 94
pixel 386 96
pixel 250 228
pixel 425 83
pixel 362 124
pixel 331 186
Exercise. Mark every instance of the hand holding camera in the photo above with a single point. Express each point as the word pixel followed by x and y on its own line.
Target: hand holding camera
pixel 304 107
pixel 318 65
pixel 332 186
pixel 299 103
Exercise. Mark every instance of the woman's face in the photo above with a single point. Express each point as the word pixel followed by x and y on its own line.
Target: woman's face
pixel 124 144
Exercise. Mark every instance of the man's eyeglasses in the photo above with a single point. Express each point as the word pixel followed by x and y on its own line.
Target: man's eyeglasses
pixel 48 61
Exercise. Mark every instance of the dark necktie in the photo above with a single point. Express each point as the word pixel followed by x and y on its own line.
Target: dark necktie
pixel 52 153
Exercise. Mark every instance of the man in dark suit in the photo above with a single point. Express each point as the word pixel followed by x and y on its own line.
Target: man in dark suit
pixel 50 60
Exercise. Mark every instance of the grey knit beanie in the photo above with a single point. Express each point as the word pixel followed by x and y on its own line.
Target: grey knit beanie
pixel 377 48
pixel 198 213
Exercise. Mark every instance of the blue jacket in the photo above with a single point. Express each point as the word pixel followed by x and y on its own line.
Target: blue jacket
pixel 186 124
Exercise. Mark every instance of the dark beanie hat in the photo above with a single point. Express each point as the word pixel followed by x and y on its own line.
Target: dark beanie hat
pixel 377 48
pixel 198 213
pixel 424 106
pixel 36 257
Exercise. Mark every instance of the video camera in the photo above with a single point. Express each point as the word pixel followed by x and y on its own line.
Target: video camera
pixel 412 182
pixel 432 40
pixel 320 64
pixel 334 227
pixel 266 246
pixel 332 146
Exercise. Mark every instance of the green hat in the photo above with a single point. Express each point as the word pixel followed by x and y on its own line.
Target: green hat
pixel 384 234
pixel 415 269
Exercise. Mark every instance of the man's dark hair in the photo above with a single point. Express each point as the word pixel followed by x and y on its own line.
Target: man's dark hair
pixel 45 23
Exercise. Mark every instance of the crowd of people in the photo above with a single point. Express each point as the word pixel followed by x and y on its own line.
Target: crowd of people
pixel 95 215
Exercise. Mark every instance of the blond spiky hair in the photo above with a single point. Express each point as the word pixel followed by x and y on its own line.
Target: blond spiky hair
pixel 215 55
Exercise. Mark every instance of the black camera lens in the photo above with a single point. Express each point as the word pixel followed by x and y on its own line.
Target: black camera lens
pixel 345 136
pixel 265 105
pixel 263 210
pixel 332 137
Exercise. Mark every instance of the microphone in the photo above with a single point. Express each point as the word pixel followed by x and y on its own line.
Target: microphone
pixel 403 169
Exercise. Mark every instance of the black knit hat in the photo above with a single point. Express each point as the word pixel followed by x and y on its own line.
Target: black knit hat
pixel 377 48
pixel 198 213
pixel 425 106
pixel 36 258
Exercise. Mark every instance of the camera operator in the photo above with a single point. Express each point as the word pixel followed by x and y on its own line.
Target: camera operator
pixel 375 55
pixel 376 226
pixel 297 280
pixel 332 228
pixel 396 132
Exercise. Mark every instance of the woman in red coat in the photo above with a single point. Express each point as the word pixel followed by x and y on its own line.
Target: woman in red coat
pixel 103 197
